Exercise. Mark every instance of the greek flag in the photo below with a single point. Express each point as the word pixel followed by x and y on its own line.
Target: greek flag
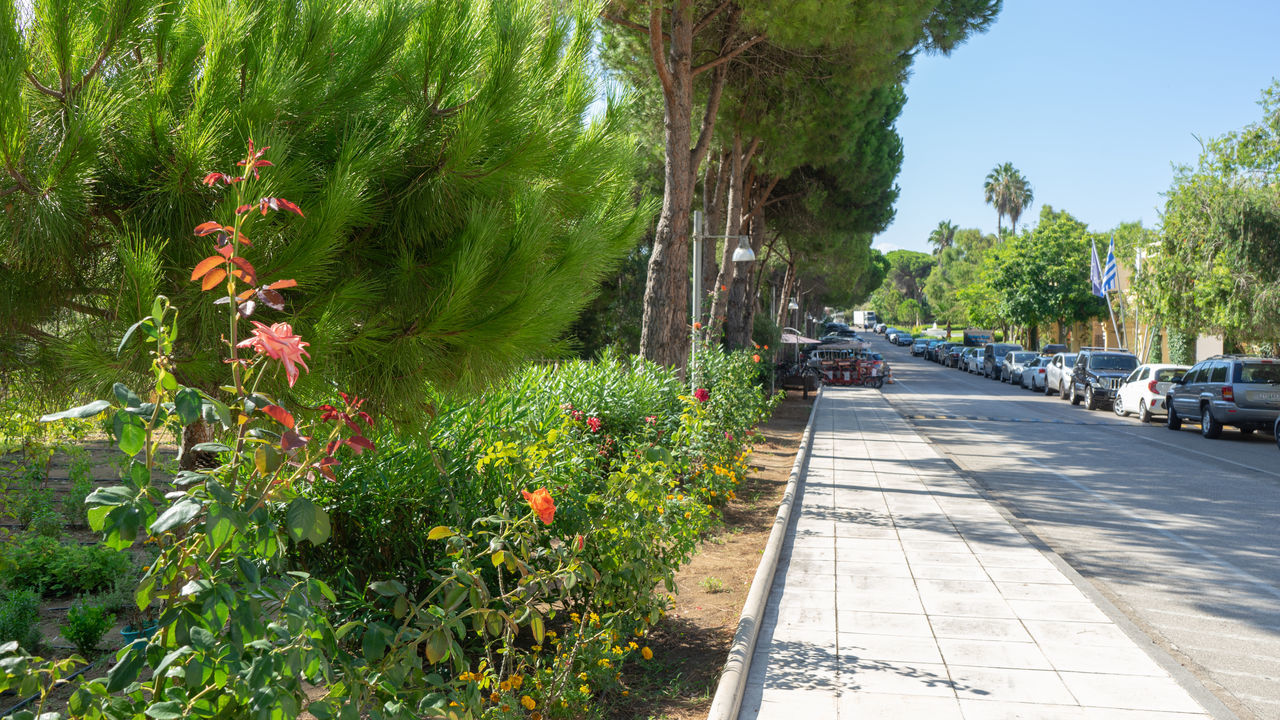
pixel 1095 272
pixel 1111 276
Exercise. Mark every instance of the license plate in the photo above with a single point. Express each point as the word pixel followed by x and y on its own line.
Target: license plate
pixel 1268 396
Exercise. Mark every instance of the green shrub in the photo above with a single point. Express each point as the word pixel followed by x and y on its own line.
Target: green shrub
pixel 58 569
pixel 20 619
pixel 47 523
pixel 73 506
pixel 85 626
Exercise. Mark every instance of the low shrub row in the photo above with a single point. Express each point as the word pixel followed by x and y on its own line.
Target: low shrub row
pixel 57 568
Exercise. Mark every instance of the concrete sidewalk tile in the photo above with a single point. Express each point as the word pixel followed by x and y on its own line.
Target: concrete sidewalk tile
pixel 1028 559
pixel 994 710
pixel 895 570
pixel 795 597
pixel 1045 592
pixel 891 648
pixel 825 566
pixel 970 628
pixel 1051 576
pixel 966 606
pixel 870 556
pixel 1077 633
pixel 875 583
pixel 874 706
pixel 954 559
pixel 993 654
pixel 1130 692
pixel 879 676
pixel 884 623
pixel 867 545
pixel 1010 685
pixel 1117 660
pixel 958 587
pixel 875 601
pixel 852 528
pixel 803 616
pixel 759 704
pixel 919 545
pixel 1038 610
pixel 947 572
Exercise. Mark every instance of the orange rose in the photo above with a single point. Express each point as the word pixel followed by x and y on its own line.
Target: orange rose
pixel 541 502
pixel 697 326
pixel 756 358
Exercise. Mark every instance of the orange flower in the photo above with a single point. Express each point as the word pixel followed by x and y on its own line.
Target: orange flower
pixel 723 288
pixel 697 326
pixel 755 358
pixel 279 343
pixel 541 502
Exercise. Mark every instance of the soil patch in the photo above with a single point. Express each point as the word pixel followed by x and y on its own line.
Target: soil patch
pixel 691 644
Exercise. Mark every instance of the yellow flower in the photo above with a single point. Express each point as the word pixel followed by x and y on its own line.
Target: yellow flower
pixel 575 617
pixel 517 681
pixel 582 676
pixel 536 648
pixel 626 693
pixel 604 662
pixel 528 702
pixel 494 697
pixel 646 653
pixel 536 716
pixel 585 689
pixel 632 645
pixel 504 686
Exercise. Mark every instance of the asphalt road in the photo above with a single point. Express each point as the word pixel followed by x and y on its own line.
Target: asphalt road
pixel 1181 533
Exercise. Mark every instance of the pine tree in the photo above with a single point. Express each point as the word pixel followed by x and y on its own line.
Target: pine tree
pixel 459 210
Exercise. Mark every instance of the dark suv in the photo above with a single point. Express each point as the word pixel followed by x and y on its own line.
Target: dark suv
pixel 1235 390
pixel 1098 374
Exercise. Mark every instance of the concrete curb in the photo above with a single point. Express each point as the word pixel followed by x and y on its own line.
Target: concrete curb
pixel 733 681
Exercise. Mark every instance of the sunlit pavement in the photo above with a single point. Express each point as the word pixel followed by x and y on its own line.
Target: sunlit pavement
pixel 903 593
pixel 1179 531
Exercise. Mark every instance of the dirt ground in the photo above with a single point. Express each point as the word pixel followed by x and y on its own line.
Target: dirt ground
pixel 692 643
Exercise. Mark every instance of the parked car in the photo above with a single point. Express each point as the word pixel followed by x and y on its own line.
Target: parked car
pixel 919 346
pixel 1144 390
pixel 879 328
pixel 1014 362
pixel 1097 375
pixel 1057 372
pixel 952 358
pixel 1237 390
pixel 1034 372
pixel 973 361
pixel 902 338
pixel 1053 349
pixel 993 358
pixel 938 353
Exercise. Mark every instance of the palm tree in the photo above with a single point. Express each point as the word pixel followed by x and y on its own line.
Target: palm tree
pixel 1009 192
pixel 943 236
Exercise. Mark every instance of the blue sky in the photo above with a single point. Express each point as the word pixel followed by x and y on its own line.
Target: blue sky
pixel 1094 102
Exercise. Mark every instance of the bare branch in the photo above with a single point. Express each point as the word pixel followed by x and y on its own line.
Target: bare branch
pixel 729 55
pixel 706 19
pixel 708 119
pixel 760 203
pixel 41 87
pixel 658 52
pixel 751 150
pixel 630 24
pixel 97 63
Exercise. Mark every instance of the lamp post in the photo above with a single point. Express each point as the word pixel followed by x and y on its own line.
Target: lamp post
pixel 743 253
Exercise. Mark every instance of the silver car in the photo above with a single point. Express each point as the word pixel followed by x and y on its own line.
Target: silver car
pixel 1236 390
pixel 973 360
pixel 1032 377
pixel 1014 362
pixel 1057 374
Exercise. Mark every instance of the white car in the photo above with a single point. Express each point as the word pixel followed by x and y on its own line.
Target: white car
pixel 1033 374
pixel 1014 362
pixel 1057 374
pixel 973 362
pixel 1144 390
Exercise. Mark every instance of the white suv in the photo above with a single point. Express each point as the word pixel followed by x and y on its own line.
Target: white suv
pixel 1057 375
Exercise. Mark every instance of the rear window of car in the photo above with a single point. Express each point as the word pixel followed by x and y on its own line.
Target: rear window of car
pixel 1001 348
pixel 1219 373
pixel 1113 362
pixel 1023 356
pixel 1260 373
pixel 1168 374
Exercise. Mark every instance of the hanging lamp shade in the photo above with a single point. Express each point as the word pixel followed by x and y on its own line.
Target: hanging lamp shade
pixel 744 253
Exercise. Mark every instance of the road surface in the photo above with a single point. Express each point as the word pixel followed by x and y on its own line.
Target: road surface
pixel 1180 532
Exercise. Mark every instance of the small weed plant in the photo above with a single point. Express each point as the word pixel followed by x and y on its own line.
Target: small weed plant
pixel 85 626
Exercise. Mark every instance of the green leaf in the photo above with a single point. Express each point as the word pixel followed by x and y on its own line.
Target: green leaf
pixel 437 646
pixel 180 513
pixel 168 710
pixel 388 588
pixel 129 333
pixel 187 402
pixel 440 532
pixel 267 459
pixel 539 629
pixel 218 526
pixel 202 639
pixel 215 412
pixel 498 557
pixel 84 411
pixel 127 397
pixel 126 669
pixel 212 447
pixel 131 435
pixel 374 644
pixel 305 521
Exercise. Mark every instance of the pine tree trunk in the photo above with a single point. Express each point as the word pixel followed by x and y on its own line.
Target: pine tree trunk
pixel 743 309
pixel 788 284
pixel 732 226
pixel 715 187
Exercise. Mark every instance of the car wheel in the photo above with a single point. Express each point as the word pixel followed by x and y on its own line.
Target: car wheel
pixel 1209 426
pixel 1247 430
pixel 1173 421
pixel 1091 400
pixel 1118 407
pixel 1047 391
pixel 1144 412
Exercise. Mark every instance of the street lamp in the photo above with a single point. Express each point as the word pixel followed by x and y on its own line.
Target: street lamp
pixel 743 253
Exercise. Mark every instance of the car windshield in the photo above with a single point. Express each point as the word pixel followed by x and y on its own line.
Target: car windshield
pixel 1168 374
pixel 1069 360
pixel 1113 362
pixel 1023 357
pixel 1260 373
pixel 1002 348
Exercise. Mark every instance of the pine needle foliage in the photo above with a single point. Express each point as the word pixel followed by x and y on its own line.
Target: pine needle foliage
pixel 460 210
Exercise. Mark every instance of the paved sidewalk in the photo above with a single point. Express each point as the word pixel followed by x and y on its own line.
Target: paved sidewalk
pixel 902 594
